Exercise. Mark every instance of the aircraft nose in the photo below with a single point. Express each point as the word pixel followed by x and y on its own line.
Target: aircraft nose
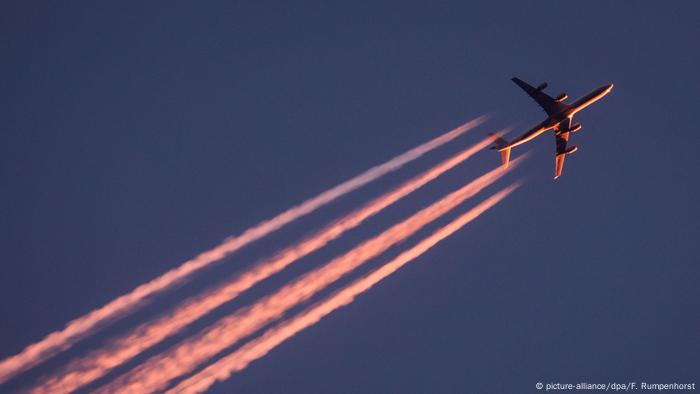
pixel 609 87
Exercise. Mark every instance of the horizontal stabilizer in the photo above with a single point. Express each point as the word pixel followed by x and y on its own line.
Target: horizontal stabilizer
pixel 498 141
pixel 505 157
pixel 501 145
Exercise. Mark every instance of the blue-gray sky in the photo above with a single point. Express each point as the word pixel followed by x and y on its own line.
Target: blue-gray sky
pixel 138 135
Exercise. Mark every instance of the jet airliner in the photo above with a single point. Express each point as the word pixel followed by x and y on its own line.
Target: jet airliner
pixel 559 118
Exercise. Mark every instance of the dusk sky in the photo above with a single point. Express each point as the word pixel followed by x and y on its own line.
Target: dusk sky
pixel 136 135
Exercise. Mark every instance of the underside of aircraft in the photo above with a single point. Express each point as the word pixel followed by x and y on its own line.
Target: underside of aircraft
pixel 559 119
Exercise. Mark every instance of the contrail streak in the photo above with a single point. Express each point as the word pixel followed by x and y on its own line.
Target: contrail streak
pixel 159 370
pixel 259 347
pixel 83 326
pixel 101 361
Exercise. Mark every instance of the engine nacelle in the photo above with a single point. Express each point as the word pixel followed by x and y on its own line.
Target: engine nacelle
pixel 542 86
pixel 571 150
pixel 576 127
pixel 561 98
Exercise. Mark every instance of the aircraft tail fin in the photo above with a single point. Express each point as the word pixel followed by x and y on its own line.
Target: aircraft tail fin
pixel 502 146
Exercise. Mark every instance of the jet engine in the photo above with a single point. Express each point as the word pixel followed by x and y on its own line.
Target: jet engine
pixel 542 86
pixel 576 127
pixel 561 98
pixel 571 150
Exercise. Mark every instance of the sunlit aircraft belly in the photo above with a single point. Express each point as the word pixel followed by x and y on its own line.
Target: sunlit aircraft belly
pixel 589 99
pixel 534 132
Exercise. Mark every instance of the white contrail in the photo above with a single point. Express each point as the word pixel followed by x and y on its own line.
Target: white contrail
pixel 259 347
pixel 155 373
pixel 83 326
pixel 99 362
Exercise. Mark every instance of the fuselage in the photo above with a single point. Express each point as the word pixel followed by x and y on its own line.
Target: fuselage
pixel 588 99
pixel 563 117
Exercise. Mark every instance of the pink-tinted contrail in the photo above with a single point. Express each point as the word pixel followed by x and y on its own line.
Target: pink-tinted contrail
pixel 101 361
pixel 259 347
pixel 83 326
pixel 159 370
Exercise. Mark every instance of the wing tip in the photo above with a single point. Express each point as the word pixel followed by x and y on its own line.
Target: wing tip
pixel 559 165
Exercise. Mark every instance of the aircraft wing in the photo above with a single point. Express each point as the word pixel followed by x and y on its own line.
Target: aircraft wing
pixel 561 140
pixel 543 99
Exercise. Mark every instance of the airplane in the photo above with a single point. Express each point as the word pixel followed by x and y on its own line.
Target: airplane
pixel 559 118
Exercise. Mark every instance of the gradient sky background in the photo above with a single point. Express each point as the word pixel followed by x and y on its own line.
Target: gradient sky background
pixel 135 136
